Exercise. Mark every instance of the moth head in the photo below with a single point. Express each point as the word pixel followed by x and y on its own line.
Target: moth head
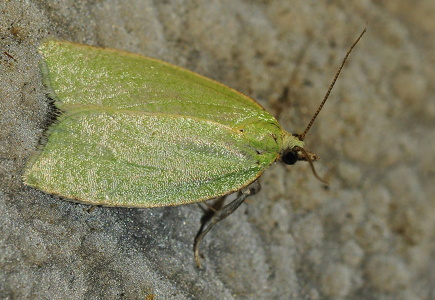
pixel 293 151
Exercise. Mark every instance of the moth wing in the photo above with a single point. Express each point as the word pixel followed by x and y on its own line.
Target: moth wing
pixel 136 159
pixel 80 75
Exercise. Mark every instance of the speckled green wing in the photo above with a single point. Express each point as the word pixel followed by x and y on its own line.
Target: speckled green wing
pixel 139 132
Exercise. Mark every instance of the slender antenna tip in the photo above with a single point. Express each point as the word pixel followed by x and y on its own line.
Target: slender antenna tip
pixel 302 136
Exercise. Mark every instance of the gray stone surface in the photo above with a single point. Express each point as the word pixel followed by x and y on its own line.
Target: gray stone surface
pixel 369 236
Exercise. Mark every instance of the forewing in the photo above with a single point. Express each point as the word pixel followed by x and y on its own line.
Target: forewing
pixel 123 158
pixel 79 75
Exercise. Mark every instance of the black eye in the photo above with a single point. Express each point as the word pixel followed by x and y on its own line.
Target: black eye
pixel 290 157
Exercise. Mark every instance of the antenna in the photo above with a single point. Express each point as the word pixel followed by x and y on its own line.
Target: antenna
pixel 302 136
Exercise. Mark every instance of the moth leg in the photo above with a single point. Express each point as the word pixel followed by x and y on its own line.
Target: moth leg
pixel 213 208
pixel 222 213
pixel 210 211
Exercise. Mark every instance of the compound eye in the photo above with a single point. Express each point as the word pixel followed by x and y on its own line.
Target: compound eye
pixel 290 157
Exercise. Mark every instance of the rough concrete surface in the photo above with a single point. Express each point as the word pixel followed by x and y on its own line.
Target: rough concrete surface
pixel 369 236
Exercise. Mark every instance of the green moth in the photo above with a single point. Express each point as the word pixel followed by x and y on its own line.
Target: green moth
pixel 138 132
